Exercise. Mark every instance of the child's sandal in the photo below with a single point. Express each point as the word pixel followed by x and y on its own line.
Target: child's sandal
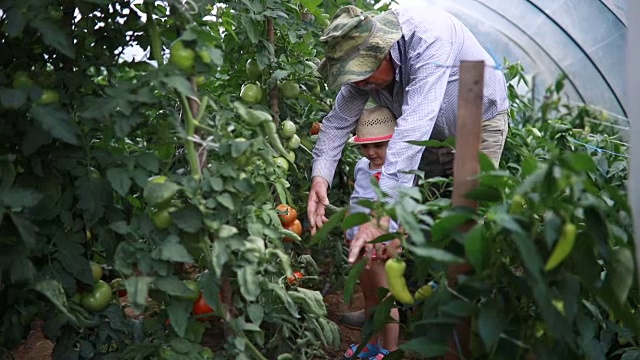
pixel 382 352
pixel 369 351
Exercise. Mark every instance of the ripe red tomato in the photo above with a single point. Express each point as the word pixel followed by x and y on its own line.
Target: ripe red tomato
pixel 315 128
pixel 200 307
pixel 287 214
pixel 296 227
pixel 297 275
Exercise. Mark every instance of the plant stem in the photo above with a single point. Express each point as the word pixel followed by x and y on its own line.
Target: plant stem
pixel 156 43
pixel 254 350
pixel 190 126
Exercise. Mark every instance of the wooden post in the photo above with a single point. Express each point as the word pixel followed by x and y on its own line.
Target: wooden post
pixel 466 167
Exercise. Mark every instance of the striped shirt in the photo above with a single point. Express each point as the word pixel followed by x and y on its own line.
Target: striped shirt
pixel 424 98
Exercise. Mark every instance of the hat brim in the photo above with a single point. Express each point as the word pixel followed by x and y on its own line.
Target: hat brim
pixel 355 140
pixel 365 62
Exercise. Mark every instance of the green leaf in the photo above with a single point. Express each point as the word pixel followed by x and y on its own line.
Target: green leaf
pixel 21 270
pixel 181 85
pixel 580 161
pixel 620 270
pixel 53 290
pixel 490 325
pixel 459 308
pixel 334 221
pixel 172 250
pixel 352 279
pixel 226 200
pixel 179 313
pixel 354 219
pixel 18 198
pixel 188 218
pixel 248 281
pixel 158 193
pixel 12 98
pixel 227 231
pixel 477 248
pixel 76 265
pixel 425 347
pixel 172 285
pixel 138 291
pixel 256 313
pixel 484 193
pixel 120 180
pixel 56 122
pixel 239 147
pixel 449 224
pixel 54 36
pixel 311 5
pixel 26 229
pixel 436 254
pixel 36 137
pixel 148 161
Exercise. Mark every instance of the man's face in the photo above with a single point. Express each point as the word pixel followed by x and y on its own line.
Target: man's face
pixel 382 77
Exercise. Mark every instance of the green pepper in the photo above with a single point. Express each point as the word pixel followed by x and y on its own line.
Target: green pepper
pixel 563 246
pixel 394 269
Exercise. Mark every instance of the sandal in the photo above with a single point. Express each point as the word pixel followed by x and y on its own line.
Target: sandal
pixel 369 351
pixel 382 352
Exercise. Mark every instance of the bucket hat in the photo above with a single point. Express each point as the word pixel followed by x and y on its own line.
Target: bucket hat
pixel 356 43
pixel 376 124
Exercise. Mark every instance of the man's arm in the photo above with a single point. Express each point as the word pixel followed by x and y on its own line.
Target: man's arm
pixel 336 129
pixel 422 101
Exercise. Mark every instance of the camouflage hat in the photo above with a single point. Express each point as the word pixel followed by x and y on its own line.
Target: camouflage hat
pixel 356 43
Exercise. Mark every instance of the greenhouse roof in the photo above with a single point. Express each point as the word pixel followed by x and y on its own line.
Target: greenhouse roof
pixel 585 39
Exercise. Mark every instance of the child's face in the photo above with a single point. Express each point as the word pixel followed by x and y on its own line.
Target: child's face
pixel 375 152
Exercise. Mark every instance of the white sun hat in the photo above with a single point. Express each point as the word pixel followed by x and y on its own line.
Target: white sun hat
pixel 376 124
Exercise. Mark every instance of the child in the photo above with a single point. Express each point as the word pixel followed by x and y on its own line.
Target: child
pixel 375 128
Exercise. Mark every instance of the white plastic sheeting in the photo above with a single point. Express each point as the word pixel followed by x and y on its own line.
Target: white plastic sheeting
pixel 585 39
pixel 633 76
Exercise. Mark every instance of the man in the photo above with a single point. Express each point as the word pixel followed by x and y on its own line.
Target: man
pixel 405 59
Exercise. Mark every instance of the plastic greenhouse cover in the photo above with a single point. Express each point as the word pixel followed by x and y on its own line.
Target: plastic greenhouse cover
pixel 585 39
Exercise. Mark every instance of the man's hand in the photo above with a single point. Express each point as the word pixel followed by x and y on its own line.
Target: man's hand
pixel 317 203
pixel 366 233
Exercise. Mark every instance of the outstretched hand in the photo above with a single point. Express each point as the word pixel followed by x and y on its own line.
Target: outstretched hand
pixel 317 203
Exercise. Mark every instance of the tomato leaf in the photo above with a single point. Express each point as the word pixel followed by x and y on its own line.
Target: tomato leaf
pixel 57 122
pixel 620 267
pixel 248 280
pixel 172 250
pixel 119 179
pixel 179 313
pixel 188 218
pixel 54 36
pixel 172 285
pixel 26 229
pixel 138 291
pixel 19 198
pixel 12 98
pixel 256 313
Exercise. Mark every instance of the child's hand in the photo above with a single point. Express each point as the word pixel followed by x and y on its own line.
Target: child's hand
pixel 391 250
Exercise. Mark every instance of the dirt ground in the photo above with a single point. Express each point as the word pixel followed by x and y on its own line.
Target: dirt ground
pixel 36 347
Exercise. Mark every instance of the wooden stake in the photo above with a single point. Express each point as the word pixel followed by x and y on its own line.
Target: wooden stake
pixel 466 167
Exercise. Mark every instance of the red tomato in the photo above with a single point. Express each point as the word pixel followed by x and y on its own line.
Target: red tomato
pixel 297 275
pixel 315 128
pixel 200 307
pixel 287 214
pixel 296 227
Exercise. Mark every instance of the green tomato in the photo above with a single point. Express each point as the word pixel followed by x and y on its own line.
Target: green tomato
pixel 194 291
pixel 182 57
pixel 204 56
pixel 207 354
pixel 289 89
pixel 288 129
pixel 253 69
pixel 251 94
pixel 21 80
pixel 96 271
pixel 294 142
pixel 98 299
pixel 282 163
pixel 162 218
pixel 48 97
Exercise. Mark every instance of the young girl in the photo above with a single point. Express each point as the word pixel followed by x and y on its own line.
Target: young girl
pixel 375 128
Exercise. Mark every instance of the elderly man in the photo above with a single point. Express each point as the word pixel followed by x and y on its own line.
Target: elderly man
pixel 405 59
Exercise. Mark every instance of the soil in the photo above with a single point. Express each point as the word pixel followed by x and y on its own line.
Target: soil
pixel 36 347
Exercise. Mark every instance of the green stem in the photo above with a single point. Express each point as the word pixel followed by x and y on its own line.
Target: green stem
pixel 190 127
pixel 156 43
pixel 253 349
